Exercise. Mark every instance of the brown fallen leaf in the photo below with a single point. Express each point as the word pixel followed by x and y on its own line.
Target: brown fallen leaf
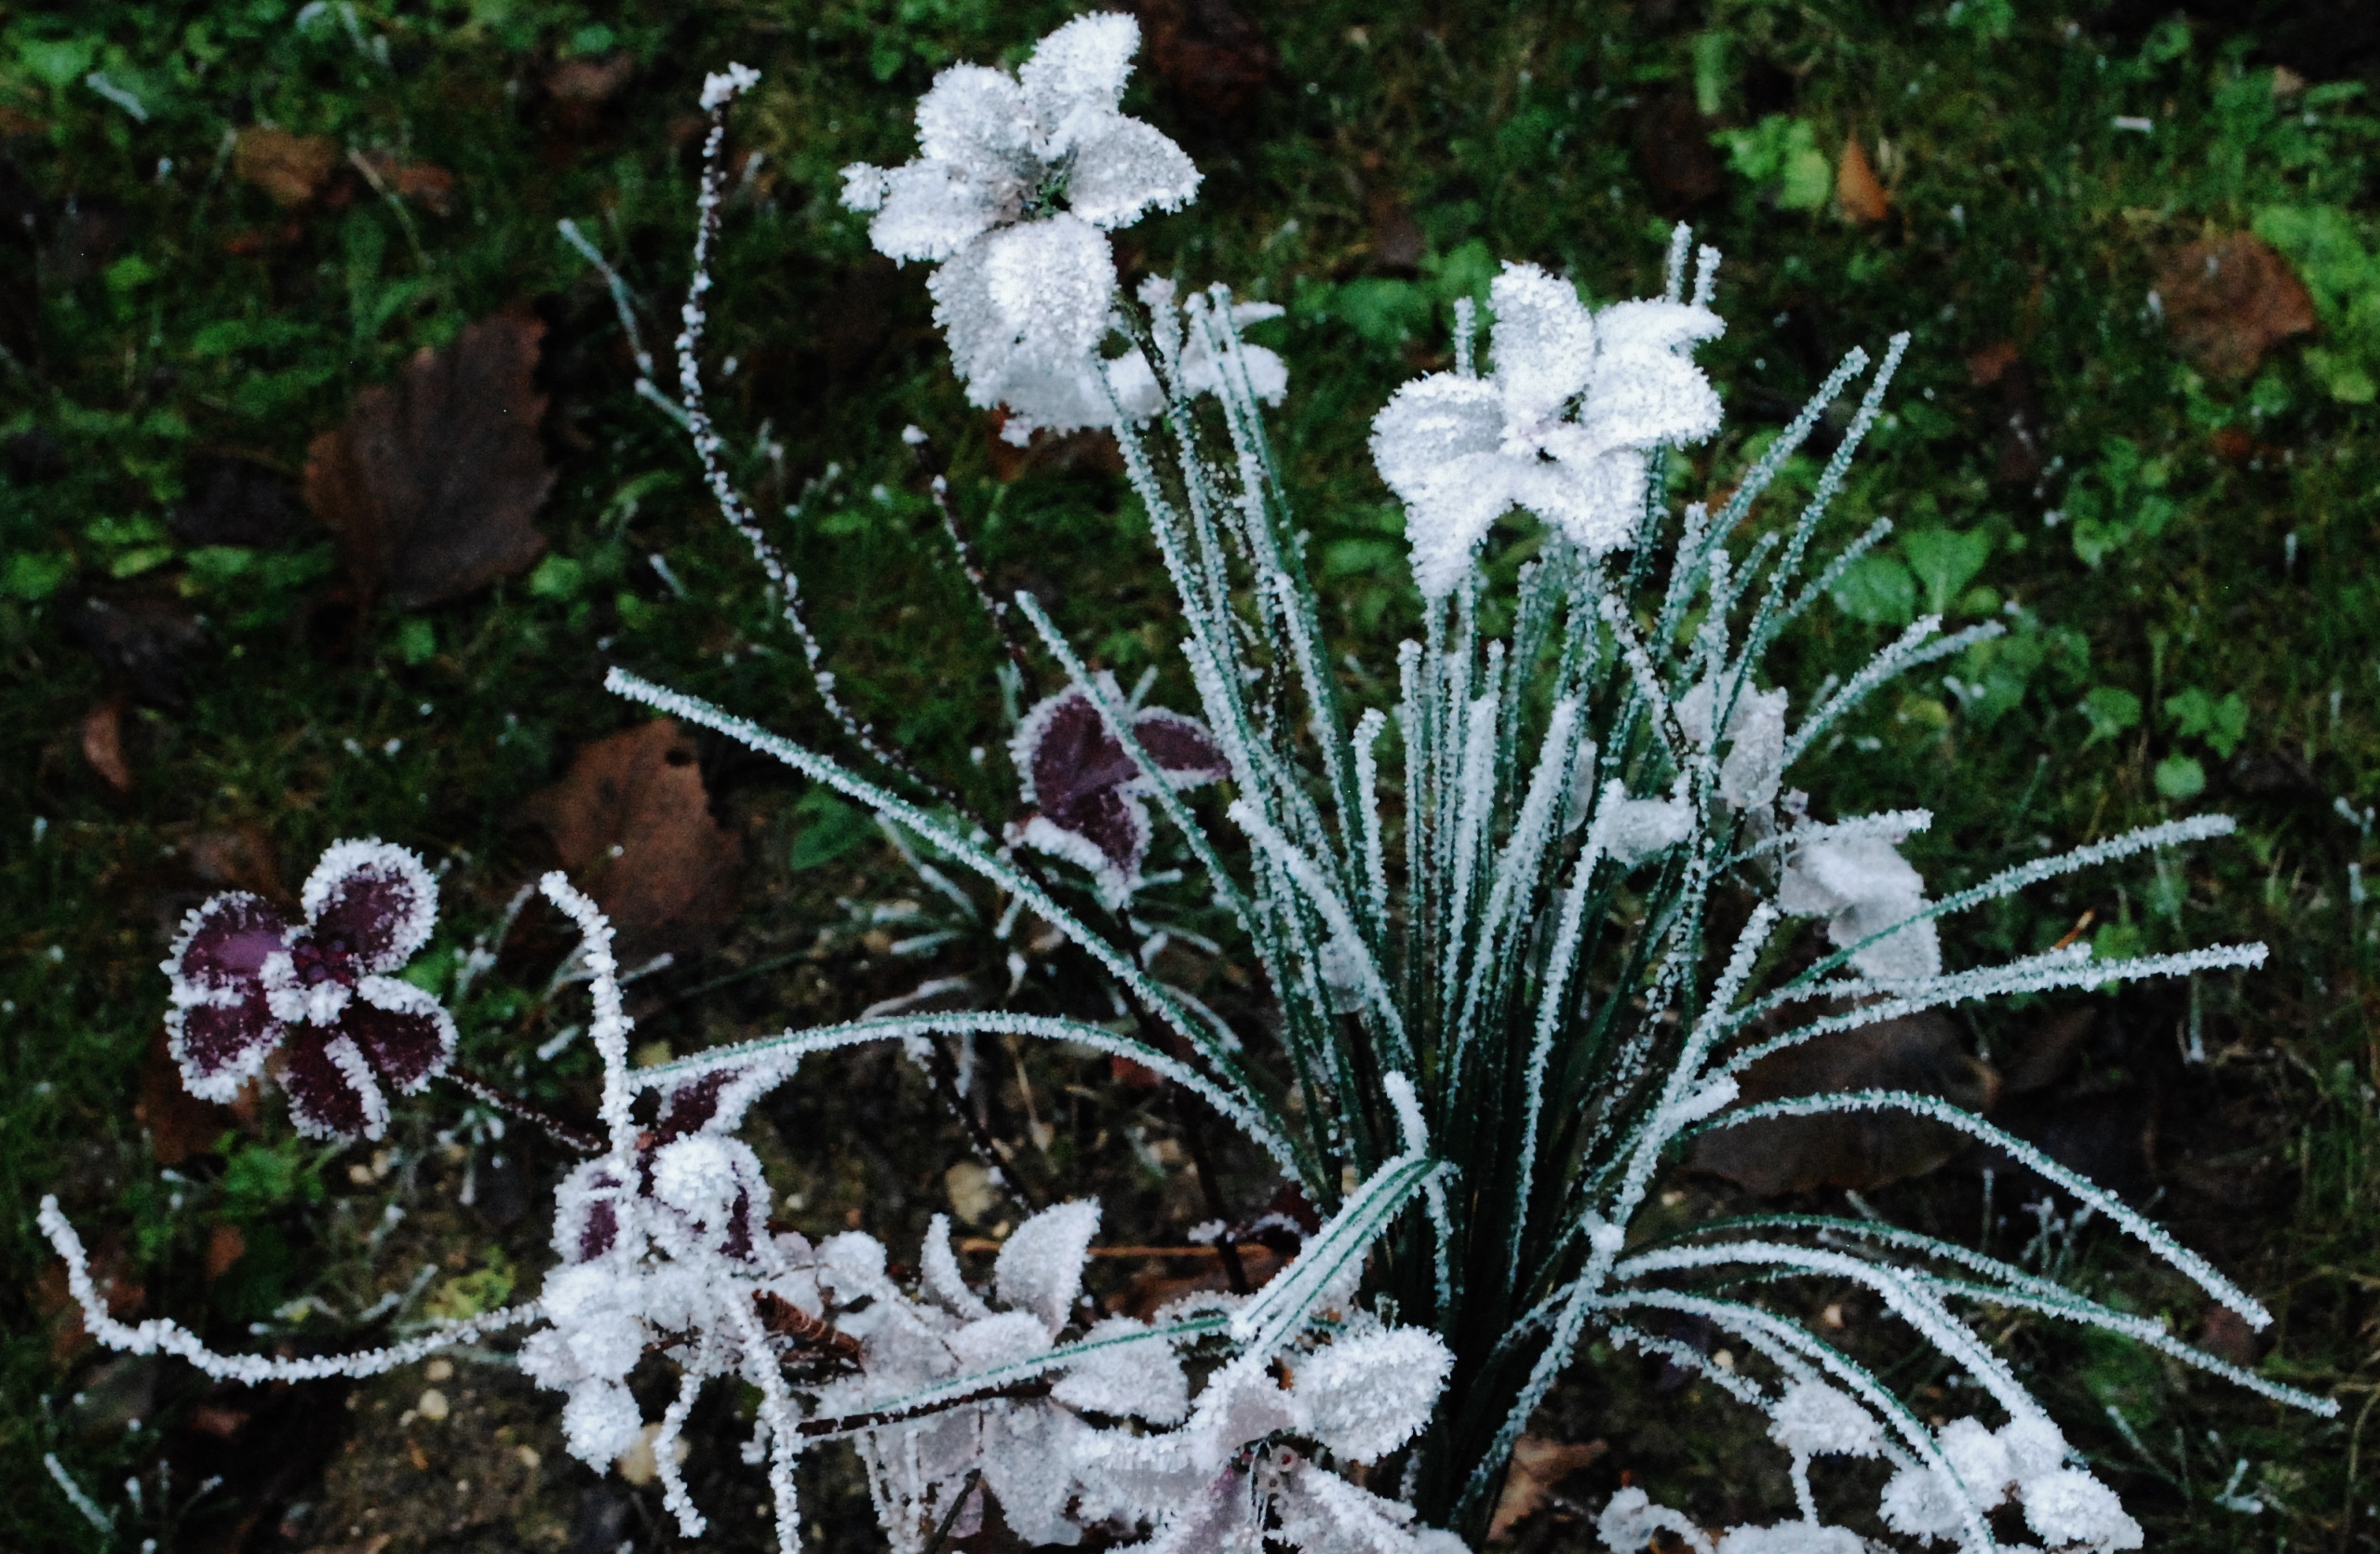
pixel 225 1247
pixel 1212 56
pixel 2227 1335
pixel 102 733
pixel 420 182
pixel 1921 1053
pixel 633 824
pixel 1155 1289
pixel 292 168
pixel 1858 193
pixel 431 484
pixel 179 1124
pixel 2229 301
pixel 1538 1466
pixel 1094 449
pixel 590 80
pixel 1673 150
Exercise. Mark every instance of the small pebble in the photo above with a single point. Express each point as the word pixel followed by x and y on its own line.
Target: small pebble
pixel 438 1370
pixel 432 1405
pixel 528 1455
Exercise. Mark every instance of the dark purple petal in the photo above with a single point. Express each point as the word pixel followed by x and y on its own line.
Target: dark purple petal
pixel 1115 824
pixel 689 1107
pixel 400 1030
pixel 220 1045
pixel 586 1222
pixel 324 1099
pixel 1182 748
pixel 225 942
pixel 1066 750
pixel 372 901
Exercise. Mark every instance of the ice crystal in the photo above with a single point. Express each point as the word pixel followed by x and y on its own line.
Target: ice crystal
pixel 1561 428
pixel 312 1001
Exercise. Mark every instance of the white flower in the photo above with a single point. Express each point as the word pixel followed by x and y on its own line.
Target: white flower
pixel 1755 734
pixel 1015 182
pixel 1862 886
pixel 1561 428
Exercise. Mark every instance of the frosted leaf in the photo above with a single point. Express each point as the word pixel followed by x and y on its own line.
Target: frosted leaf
pixel 702 1175
pixel 1141 1381
pixel 2034 1445
pixel 1040 1268
pixel 1630 1519
pixel 938 1272
pixel 1756 737
pixel 925 211
pixel 974 120
pixel 1459 452
pixel 854 1262
pixel 1087 790
pixel 1792 1537
pixel 1861 885
pixel 1918 1504
pixel 600 1422
pixel 1633 829
pixel 1000 1339
pixel 1367 1395
pixel 1982 1461
pixel 1322 1513
pixel 2070 1508
pixel 1813 1419
pixel 1133 382
pixel 1029 1466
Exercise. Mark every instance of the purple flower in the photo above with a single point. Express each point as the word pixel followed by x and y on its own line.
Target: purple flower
pixel 248 986
pixel 1087 792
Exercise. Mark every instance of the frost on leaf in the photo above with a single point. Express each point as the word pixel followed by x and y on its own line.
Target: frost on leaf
pixel 1040 1268
pixel 1862 886
pixel 1088 795
pixel 1755 740
pixel 1560 429
pixel 1367 1395
pixel 309 1002
pixel 1016 182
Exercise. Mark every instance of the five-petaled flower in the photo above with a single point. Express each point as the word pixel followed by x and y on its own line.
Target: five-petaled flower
pixel 1461 451
pixel 1017 180
pixel 313 998
pixel 1087 792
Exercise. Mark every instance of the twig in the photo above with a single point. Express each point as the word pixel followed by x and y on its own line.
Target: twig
pixel 850 1423
pixel 944 1071
pixel 950 1517
pixel 566 1134
pixel 1208 1249
pixel 995 610
pixel 788 1321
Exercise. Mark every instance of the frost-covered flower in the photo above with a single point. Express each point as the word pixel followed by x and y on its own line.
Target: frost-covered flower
pixel 1755 740
pixel 1561 428
pixel 1089 795
pixel 313 998
pixel 1861 885
pixel 1017 183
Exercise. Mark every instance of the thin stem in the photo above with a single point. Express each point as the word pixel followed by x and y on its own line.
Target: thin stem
pixel 566 1134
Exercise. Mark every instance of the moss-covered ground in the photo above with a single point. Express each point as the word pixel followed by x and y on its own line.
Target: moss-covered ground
pixel 2183 558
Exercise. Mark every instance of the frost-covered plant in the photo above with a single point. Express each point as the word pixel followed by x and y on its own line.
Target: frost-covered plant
pixel 1498 1000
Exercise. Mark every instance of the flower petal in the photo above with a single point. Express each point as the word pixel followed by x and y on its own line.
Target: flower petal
pixel 401 1030
pixel 371 900
pixel 930 209
pixel 1598 502
pixel 1181 746
pixel 1083 65
pixel 221 1043
pixel 1652 325
pixel 1064 752
pixel 1107 835
pixel 974 119
pixel 1051 282
pixel 1642 397
pixel 1543 343
pixel 1123 168
pixel 1430 422
pixel 332 1094
pixel 1040 1267
pixel 225 942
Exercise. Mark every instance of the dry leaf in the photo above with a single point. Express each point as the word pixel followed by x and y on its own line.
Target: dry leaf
pixel 430 184
pixel 225 1247
pixel 1921 1053
pixel 1674 149
pixel 633 824
pixel 1538 1466
pixel 1858 195
pixel 1094 448
pixel 102 739
pixel 2227 1335
pixel 1214 58
pixel 590 80
pixel 431 484
pixel 2229 301
pixel 291 168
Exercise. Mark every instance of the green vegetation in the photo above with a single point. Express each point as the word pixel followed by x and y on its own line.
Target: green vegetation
pixel 2181 559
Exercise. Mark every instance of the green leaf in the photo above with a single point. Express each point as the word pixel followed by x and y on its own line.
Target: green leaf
pixel 1710 77
pixel 2344 380
pixel 1879 589
pixel 1945 561
pixel 831 829
pixel 2096 539
pixel 2197 714
pixel 1782 152
pixel 36 574
pixel 2178 777
pixel 57 62
pixel 1384 311
pixel 2110 711
pixel 417 641
pixel 556 576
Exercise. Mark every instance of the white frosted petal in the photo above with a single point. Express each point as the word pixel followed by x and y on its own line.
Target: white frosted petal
pixel 1430 422
pixel 974 119
pixel 2069 1507
pixel 1083 65
pixel 1641 398
pixel 1814 1419
pixel 1051 283
pixel 1543 343
pixel 928 211
pixel 1141 1381
pixel 1123 168
pixel 1597 503
pixel 1040 1269
pixel 1367 1395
